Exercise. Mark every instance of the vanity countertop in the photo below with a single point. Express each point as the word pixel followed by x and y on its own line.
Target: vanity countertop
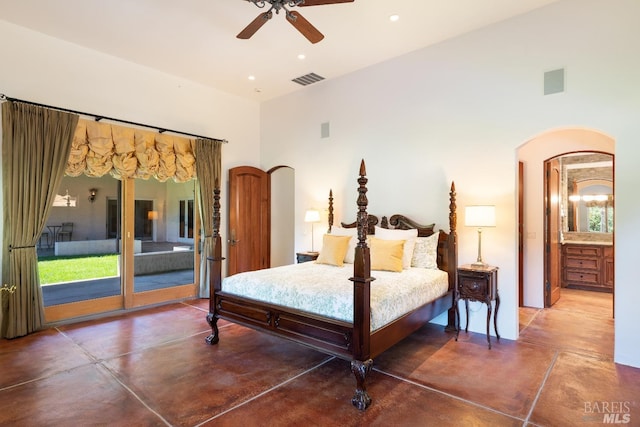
pixel 586 242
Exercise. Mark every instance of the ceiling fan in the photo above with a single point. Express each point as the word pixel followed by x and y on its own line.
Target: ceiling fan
pixel 294 18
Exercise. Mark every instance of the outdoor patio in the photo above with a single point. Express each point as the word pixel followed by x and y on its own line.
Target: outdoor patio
pixel 63 293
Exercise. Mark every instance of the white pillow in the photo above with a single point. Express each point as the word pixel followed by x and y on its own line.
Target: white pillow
pixel 351 250
pixel 425 253
pixel 409 236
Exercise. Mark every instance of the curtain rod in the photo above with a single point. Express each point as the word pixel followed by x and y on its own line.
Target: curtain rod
pixel 98 117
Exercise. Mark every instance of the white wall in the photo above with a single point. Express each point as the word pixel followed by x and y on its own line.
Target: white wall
pixel 46 70
pixel 455 111
pixel 459 111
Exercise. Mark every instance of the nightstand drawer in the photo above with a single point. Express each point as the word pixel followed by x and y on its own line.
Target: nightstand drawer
pixel 471 287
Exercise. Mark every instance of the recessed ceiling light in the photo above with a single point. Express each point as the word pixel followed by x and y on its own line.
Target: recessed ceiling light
pixel 301 56
pixel 394 18
pixel 252 77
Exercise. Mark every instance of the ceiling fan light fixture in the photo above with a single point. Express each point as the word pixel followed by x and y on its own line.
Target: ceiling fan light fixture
pixel 298 21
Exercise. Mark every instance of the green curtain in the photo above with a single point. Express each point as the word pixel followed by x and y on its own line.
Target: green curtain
pixel 35 147
pixel 209 170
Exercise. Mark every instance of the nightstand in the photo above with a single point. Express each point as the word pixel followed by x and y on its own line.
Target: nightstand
pixel 306 256
pixel 477 283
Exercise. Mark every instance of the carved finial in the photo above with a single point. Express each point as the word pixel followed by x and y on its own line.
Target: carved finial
pixel 363 217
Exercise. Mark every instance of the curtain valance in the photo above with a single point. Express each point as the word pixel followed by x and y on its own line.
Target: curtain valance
pixel 101 148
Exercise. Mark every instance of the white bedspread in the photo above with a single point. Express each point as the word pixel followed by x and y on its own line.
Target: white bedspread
pixel 326 290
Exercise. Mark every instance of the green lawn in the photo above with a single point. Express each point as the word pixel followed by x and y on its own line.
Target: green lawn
pixel 70 268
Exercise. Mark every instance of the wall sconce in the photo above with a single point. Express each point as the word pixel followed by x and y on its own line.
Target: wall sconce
pixel 152 215
pixel 480 216
pixel 92 195
pixel 312 216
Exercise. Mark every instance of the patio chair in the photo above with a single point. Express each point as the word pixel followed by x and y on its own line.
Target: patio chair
pixel 44 235
pixel 65 230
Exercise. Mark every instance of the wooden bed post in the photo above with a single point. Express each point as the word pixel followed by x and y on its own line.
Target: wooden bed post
pixel 361 363
pixel 453 256
pixel 330 216
pixel 215 262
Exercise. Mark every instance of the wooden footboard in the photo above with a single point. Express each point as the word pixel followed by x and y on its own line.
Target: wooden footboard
pixel 353 341
pixel 327 335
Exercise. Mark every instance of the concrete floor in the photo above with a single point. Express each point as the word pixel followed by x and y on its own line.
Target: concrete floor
pixel 152 367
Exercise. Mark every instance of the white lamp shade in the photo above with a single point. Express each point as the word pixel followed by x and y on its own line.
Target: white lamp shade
pixel 480 216
pixel 312 215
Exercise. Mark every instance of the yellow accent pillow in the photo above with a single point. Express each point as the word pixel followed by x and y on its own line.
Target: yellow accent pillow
pixel 334 248
pixel 386 254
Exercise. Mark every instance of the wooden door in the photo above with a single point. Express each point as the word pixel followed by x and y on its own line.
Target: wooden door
pixel 520 234
pixel 552 233
pixel 249 220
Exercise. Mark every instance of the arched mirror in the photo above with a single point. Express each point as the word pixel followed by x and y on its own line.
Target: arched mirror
pixel 588 197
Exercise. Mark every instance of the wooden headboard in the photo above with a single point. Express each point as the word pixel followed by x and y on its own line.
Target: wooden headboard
pixel 447 257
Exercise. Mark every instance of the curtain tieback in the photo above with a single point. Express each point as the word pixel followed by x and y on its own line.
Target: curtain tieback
pixel 11 248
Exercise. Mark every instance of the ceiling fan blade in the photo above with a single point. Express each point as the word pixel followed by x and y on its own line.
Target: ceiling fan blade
pixel 305 27
pixel 255 25
pixel 321 2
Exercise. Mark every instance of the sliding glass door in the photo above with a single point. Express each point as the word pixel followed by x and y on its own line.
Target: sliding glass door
pixel 112 245
pixel 165 265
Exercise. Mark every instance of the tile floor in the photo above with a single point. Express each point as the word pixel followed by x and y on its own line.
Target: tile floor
pixel 152 367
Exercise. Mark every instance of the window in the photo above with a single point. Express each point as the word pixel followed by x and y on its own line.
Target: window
pixel 185 220
pixel 600 219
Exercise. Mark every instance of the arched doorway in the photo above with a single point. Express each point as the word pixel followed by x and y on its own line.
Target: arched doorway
pixel 533 155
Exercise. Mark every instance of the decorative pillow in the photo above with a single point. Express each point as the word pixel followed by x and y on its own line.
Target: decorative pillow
pixel 353 233
pixel 334 248
pixel 409 235
pixel 425 252
pixel 386 254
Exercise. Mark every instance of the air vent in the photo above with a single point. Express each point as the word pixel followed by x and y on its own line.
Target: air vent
pixel 308 79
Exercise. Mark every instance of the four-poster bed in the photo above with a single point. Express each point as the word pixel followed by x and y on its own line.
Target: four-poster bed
pixel 353 337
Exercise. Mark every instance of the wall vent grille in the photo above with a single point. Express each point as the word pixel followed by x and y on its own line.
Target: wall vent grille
pixel 308 79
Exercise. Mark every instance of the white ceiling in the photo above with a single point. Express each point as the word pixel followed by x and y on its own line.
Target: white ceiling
pixel 195 39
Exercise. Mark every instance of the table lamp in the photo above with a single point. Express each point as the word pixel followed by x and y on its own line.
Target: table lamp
pixel 480 216
pixel 312 216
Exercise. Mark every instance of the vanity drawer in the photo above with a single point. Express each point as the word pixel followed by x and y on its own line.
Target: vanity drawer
pixel 582 263
pixel 583 277
pixel 593 251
